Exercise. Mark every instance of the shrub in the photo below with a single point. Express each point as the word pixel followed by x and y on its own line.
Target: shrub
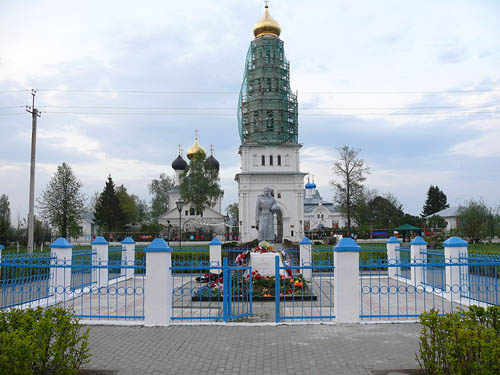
pixel 460 343
pixel 38 341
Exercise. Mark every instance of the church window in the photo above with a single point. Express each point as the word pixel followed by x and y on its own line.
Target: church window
pixel 268 56
pixel 319 216
pixel 191 212
pixel 186 213
pixel 269 83
pixel 263 160
pixel 279 195
pixel 271 160
pixel 279 159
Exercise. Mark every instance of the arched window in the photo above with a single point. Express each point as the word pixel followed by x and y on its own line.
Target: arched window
pixel 279 159
pixel 263 160
pixel 191 211
pixel 271 161
pixel 279 195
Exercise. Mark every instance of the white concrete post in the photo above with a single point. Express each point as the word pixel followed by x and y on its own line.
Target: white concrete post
pixel 454 247
pixel 100 246
pixel 215 253
pixel 306 257
pixel 60 272
pixel 417 246
pixel 128 257
pixel 158 284
pixel 347 294
pixel 392 244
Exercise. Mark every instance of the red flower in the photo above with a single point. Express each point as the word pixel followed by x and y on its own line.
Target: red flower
pixel 257 277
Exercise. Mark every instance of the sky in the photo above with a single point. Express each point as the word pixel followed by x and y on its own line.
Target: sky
pixel 415 86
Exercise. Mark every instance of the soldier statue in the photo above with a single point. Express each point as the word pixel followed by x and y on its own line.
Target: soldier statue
pixel 264 215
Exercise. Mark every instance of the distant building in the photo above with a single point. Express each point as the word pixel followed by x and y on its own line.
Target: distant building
pixel 189 218
pixel 87 228
pixel 450 215
pixel 319 213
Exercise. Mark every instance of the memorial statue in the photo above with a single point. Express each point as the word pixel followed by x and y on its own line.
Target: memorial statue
pixel 264 215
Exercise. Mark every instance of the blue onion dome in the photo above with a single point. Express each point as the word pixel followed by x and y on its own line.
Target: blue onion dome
pixel 310 186
pixel 211 161
pixel 313 185
pixel 179 164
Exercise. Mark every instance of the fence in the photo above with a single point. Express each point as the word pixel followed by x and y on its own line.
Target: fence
pixel 158 285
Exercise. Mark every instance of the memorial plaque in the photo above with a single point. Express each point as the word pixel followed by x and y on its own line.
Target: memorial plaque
pixel 265 263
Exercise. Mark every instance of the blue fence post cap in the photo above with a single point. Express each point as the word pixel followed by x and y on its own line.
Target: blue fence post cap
pixel 215 241
pixel 418 241
pixel 128 241
pixel 61 243
pixel 393 240
pixel 346 244
pixel 99 241
pixel 158 246
pixel 2 247
pixel 455 242
pixel 305 241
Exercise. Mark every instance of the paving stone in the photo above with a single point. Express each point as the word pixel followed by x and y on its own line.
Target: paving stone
pixel 298 349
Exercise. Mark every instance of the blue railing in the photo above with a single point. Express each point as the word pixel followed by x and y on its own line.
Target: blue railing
pixel 80 283
pixel 303 292
pixel 211 292
pixel 432 282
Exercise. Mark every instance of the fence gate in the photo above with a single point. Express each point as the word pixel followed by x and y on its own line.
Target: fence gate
pixel 237 291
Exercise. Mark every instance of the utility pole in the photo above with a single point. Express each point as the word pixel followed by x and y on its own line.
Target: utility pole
pixel 31 216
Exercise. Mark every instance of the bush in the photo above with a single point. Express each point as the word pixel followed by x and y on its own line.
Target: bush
pixel 38 341
pixel 461 343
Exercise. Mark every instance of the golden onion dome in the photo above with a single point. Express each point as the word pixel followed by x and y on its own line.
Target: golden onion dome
pixel 267 25
pixel 194 149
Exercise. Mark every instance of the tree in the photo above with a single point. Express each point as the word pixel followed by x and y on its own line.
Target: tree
pixel 200 184
pixel 108 212
pixel 142 210
pixel 127 204
pixel 435 202
pixel 62 202
pixel 233 212
pixel 351 171
pixel 159 189
pixel 5 225
pixel 473 220
pixel 436 222
pixel 386 212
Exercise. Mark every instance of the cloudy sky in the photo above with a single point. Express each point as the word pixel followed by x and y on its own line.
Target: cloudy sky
pixel 414 85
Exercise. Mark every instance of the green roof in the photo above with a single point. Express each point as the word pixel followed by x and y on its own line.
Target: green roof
pixel 406 227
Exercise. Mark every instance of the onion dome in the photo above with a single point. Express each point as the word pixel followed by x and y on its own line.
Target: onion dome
pixel 179 164
pixel 212 162
pixel 267 25
pixel 310 186
pixel 194 149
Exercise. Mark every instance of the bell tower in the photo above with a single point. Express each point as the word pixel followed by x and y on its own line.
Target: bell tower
pixel 268 128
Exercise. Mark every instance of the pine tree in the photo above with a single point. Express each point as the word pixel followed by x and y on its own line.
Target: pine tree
pixel 108 212
pixel 435 202
pixel 62 202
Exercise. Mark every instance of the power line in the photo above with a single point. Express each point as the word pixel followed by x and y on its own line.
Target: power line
pixel 10 91
pixel 12 114
pixel 234 108
pixel 306 115
pixel 301 92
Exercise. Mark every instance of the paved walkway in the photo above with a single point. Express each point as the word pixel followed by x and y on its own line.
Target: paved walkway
pixel 291 349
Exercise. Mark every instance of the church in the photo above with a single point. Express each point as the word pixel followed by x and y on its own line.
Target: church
pixel 269 151
pixel 268 129
pixel 188 218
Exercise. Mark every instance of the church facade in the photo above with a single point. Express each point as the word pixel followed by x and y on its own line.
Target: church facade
pixel 268 127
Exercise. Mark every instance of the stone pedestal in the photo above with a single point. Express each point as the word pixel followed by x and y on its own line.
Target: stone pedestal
pixel 347 294
pixel 265 263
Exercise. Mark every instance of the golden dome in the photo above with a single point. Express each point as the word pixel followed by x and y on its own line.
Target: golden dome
pixel 195 148
pixel 267 25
